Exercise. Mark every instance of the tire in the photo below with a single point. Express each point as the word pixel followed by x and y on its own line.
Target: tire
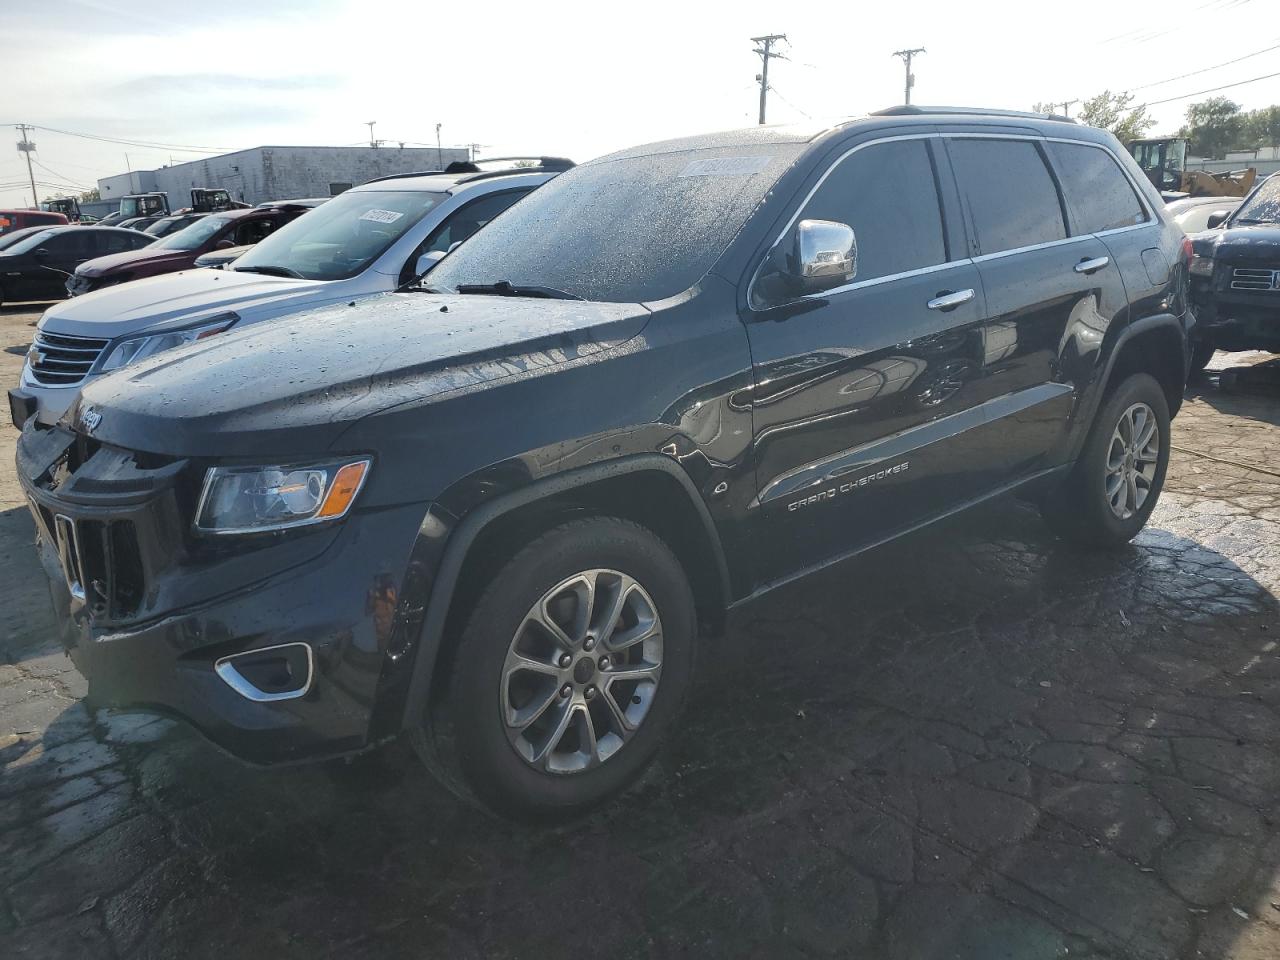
pixel 1202 352
pixel 1080 510
pixel 476 735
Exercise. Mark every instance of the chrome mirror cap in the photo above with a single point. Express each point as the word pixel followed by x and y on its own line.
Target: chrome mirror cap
pixel 825 254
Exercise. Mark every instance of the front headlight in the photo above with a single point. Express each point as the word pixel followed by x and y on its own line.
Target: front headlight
pixel 1201 266
pixel 139 348
pixel 253 499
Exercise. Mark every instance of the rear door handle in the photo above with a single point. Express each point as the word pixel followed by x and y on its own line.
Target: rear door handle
pixel 1092 266
pixel 950 300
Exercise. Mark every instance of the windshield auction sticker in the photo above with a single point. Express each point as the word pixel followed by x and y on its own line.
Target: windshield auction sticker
pixel 381 216
pixel 725 167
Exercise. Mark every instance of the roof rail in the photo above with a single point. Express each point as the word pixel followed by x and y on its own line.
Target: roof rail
pixel 911 109
pixel 542 165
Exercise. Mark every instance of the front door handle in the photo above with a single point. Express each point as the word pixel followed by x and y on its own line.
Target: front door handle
pixel 949 300
pixel 1092 266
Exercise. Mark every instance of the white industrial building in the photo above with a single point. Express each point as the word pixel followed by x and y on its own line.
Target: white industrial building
pixel 278 173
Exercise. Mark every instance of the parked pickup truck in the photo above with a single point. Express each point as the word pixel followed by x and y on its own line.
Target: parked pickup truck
pixel 494 513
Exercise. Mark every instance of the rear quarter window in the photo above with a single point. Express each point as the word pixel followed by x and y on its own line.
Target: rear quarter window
pixel 1099 195
pixel 1010 194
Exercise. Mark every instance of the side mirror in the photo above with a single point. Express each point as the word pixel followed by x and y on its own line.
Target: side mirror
pixel 824 255
pixel 224 244
pixel 40 254
pixel 427 261
pixel 1217 219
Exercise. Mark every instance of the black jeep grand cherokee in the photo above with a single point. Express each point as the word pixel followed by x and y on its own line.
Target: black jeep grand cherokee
pixel 495 513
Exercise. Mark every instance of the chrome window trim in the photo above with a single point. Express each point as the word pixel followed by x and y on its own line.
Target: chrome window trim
pixel 1151 216
pixel 755 276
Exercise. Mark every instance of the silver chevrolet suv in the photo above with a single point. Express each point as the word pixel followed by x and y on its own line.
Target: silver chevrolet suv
pixel 371 239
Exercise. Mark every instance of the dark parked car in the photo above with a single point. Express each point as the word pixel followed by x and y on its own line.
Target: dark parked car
pixel 179 250
pixel 37 266
pixel 495 513
pixel 1235 277
pixel 139 223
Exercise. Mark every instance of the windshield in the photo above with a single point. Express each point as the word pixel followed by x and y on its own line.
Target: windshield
pixel 30 242
pixel 10 239
pixel 622 231
pixel 342 237
pixel 1263 206
pixel 168 225
pixel 194 236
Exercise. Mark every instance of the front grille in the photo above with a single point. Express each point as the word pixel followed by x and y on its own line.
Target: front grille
pixel 61 361
pixel 1252 278
pixel 102 564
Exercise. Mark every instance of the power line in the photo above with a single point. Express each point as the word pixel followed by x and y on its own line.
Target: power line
pixel 1183 76
pixel 185 148
pixel 60 176
pixel 1225 86
pixel 788 102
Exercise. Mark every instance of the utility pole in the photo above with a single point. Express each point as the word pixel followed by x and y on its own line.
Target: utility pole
pixel 369 124
pixel 906 56
pixel 26 146
pixel 765 51
pixel 439 152
pixel 1066 107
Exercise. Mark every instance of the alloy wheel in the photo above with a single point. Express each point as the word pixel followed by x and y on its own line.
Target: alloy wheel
pixel 1131 460
pixel 581 671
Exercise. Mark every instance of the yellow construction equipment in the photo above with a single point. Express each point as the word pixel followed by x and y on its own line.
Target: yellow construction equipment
pixel 1164 161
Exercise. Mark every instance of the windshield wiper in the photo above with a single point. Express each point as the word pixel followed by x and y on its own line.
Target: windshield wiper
pixel 1249 220
pixel 505 288
pixel 272 270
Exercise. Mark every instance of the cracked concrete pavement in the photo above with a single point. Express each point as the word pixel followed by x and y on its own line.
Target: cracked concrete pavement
pixel 976 743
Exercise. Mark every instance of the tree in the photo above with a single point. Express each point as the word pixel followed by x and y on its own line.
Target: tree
pixel 1262 127
pixel 1116 112
pixel 90 195
pixel 1213 127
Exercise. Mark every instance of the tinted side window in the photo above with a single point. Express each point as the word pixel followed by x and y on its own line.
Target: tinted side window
pixel 887 193
pixel 1099 195
pixel 69 243
pixel 1011 197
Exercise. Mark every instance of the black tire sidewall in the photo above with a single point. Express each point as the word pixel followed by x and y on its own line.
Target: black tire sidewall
pixel 488 762
pixel 1101 523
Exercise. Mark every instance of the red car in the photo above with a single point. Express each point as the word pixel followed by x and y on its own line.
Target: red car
pixel 178 251
pixel 17 219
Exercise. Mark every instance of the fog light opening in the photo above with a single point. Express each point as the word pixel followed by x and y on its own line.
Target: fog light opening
pixel 269 674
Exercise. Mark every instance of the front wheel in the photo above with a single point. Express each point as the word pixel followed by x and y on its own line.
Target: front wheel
pixel 1114 486
pixel 572 666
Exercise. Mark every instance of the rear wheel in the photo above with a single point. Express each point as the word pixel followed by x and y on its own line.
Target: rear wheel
pixel 572 666
pixel 1114 486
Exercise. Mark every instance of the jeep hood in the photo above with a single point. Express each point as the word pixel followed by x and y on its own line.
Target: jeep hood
pixel 291 387
pixel 1244 243
pixel 177 298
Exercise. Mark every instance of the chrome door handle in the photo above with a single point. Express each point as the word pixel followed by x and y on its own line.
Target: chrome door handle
pixel 949 301
pixel 1092 266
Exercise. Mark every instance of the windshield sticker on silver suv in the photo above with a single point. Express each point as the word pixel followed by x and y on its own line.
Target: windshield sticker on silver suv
pixel 381 216
pixel 725 167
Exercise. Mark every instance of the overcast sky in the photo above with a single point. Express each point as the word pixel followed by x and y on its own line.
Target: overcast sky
pixel 562 77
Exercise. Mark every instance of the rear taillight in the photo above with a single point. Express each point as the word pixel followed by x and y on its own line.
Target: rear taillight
pixel 1186 249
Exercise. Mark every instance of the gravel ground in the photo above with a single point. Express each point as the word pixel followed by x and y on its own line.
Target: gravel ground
pixel 977 743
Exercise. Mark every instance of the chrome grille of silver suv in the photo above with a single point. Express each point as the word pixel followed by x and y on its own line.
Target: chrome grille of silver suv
pixel 57 360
